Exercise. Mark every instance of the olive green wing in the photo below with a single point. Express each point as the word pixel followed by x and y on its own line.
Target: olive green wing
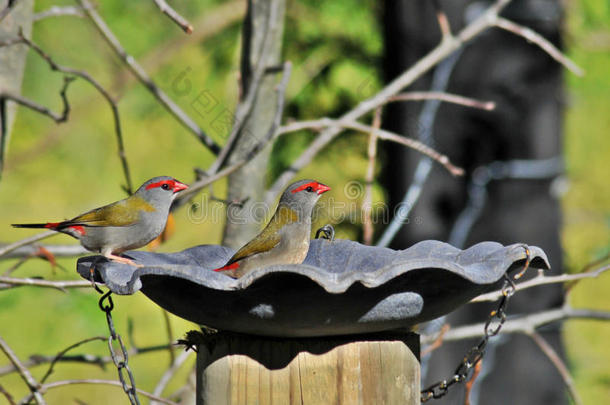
pixel 269 237
pixel 121 213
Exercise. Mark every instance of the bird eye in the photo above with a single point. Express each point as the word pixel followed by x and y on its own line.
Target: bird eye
pixel 165 186
pixel 309 189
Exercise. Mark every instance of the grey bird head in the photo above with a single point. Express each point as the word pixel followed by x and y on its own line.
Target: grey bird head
pixel 160 191
pixel 301 196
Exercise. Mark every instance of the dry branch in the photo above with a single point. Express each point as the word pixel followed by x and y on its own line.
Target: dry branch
pixel 552 355
pixel 270 135
pixel 9 282
pixel 87 77
pixel 448 45
pixel 145 79
pixel 174 16
pixel 25 374
pixel 380 133
pixel 32 105
pixel 541 279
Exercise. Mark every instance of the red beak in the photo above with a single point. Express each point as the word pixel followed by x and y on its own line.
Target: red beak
pixel 322 188
pixel 179 186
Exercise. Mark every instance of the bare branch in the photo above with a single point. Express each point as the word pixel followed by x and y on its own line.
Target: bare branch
pixel 367 204
pixel 532 36
pixel 9 282
pixel 57 384
pixel 87 77
pixel 439 95
pixel 271 133
pixel 170 372
pixel 173 15
pixel 35 251
pixel 380 133
pixel 145 79
pixel 522 323
pixel 37 359
pixel 58 11
pixel 440 52
pixel 67 349
pixel 548 350
pixel 443 21
pixel 23 242
pixel 541 279
pixel 24 372
pixel 32 105
pixel 7 395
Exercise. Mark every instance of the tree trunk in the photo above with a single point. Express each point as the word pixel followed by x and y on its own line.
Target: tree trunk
pixel 12 65
pixel 244 222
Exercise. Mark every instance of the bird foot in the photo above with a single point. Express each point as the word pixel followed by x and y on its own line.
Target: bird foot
pixel 327 231
pixel 121 259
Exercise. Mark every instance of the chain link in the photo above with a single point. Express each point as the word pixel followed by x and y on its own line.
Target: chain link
pixel 120 359
pixel 493 325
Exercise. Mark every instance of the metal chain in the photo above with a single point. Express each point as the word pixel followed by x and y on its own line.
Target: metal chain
pixel 492 327
pixel 120 359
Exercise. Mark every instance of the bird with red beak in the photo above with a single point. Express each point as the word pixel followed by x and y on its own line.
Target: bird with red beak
pixel 124 225
pixel 285 239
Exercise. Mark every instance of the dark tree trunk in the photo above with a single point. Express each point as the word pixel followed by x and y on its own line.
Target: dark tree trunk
pixel 526 85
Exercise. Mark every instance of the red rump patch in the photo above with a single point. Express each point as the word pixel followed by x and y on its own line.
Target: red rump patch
pixel 78 229
pixel 231 266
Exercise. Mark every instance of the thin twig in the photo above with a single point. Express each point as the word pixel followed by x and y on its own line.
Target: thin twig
pixel 8 282
pixel 57 384
pixel 543 280
pixel 34 250
pixel 101 361
pixel 32 105
pixel 443 21
pixel 367 204
pixel 170 336
pixel 380 133
pixel 7 395
pixel 87 77
pixel 62 353
pixel 59 11
pixel 174 16
pixel 24 242
pixel 423 65
pixel 548 350
pixel 145 79
pixel 447 97
pixel 32 384
pixel 523 323
pixel 271 133
pixel 438 341
pixel 532 36
pixel 170 372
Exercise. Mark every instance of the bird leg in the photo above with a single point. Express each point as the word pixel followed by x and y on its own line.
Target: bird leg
pixel 122 259
pixel 327 231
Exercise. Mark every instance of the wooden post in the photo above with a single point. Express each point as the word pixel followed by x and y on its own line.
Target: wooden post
pixel 375 369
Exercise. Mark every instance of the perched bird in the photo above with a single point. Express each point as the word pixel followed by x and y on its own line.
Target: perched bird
pixel 124 225
pixel 285 239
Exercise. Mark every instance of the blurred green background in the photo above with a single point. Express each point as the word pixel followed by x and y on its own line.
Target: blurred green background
pixel 57 171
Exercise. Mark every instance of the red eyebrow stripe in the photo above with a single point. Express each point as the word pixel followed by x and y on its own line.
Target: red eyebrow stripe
pixel 313 184
pixel 160 183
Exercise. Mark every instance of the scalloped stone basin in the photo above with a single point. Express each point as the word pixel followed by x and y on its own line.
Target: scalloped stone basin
pixel 342 287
